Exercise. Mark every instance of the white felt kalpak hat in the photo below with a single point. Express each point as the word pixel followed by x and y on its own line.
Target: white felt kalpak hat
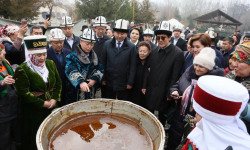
pixel 164 28
pixel 121 25
pixel 100 21
pixel 219 99
pixel 56 35
pixel 67 22
pixel 88 35
pixel 206 58
pixel 148 32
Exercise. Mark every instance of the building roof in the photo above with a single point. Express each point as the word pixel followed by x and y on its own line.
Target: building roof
pixel 218 17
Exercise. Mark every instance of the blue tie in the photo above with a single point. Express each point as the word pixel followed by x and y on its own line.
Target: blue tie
pixel 119 45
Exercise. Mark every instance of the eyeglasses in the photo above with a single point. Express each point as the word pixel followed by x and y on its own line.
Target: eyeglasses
pixel 161 37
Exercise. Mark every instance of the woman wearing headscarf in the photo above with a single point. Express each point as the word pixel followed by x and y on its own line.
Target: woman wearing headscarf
pixel 241 74
pixel 38 87
pixel 11 36
pixel 181 92
pixel 218 115
pixel 83 69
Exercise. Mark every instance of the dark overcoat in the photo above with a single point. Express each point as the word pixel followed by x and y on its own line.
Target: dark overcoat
pixel 165 69
pixel 75 43
pixel 99 44
pixel 119 65
pixel 60 68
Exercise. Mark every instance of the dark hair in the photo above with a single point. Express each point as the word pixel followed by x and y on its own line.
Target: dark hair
pixel 229 39
pixel 35 27
pixel 204 38
pixel 134 28
pixel 143 43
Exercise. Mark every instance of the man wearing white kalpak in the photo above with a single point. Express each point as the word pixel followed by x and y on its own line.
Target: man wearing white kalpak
pixel 71 41
pixel 218 103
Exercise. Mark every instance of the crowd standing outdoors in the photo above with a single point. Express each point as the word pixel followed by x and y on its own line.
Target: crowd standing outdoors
pixel 179 78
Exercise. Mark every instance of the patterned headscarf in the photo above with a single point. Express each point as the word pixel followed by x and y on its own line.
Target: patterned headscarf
pixel 8 30
pixel 34 60
pixel 242 53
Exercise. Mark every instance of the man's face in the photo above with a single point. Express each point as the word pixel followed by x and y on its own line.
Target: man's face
pixel 226 46
pixel 177 34
pixel 163 40
pixel 100 31
pixel 120 36
pixel 37 32
pixel 57 45
pixel 147 38
pixel 68 31
pixel 86 46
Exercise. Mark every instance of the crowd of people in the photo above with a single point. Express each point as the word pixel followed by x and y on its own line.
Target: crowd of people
pixel 176 77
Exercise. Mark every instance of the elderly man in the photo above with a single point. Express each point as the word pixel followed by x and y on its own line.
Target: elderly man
pixel 119 61
pixel 147 36
pixel 58 54
pixel 83 69
pixel 71 41
pixel 178 41
pixel 165 67
pixel 100 36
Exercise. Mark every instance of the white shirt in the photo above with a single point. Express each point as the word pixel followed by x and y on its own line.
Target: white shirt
pixel 118 42
pixel 175 41
pixel 70 41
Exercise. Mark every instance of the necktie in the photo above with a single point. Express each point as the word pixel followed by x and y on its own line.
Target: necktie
pixel 119 45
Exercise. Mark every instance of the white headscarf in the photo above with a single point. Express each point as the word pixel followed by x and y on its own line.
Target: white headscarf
pixel 218 131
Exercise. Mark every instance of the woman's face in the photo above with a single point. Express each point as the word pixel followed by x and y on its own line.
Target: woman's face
pixel 143 52
pixel 231 64
pixel 41 57
pixel 110 33
pixel 200 70
pixel 241 69
pixel 134 35
pixel 14 36
pixel 197 47
pixel 235 38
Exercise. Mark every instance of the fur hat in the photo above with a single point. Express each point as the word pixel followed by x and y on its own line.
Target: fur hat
pixel 56 35
pixel 206 58
pixel 121 25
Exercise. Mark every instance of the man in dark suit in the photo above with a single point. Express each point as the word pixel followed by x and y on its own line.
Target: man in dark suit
pixel 178 41
pixel 58 54
pixel 71 41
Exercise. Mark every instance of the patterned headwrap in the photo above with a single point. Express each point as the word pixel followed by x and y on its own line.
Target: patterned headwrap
pixel 8 30
pixel 34 60
pixel 242 53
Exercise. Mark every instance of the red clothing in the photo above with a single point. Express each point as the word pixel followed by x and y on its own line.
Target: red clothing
pixel 226 70
pixel 189 146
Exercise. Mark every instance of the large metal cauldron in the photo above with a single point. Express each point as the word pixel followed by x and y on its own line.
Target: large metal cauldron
pixel 145 118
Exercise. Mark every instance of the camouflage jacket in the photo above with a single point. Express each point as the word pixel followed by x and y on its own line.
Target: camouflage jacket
pixel 245 83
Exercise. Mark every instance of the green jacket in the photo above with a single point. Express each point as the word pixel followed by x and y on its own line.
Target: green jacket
pixel 29 82
pixel 10 72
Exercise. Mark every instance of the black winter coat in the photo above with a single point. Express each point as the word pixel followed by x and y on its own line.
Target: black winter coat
pixel 75 43
pixel 182 44
pixel 165 69
pixel 119 66
pixel 142 72
pixel 99 45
